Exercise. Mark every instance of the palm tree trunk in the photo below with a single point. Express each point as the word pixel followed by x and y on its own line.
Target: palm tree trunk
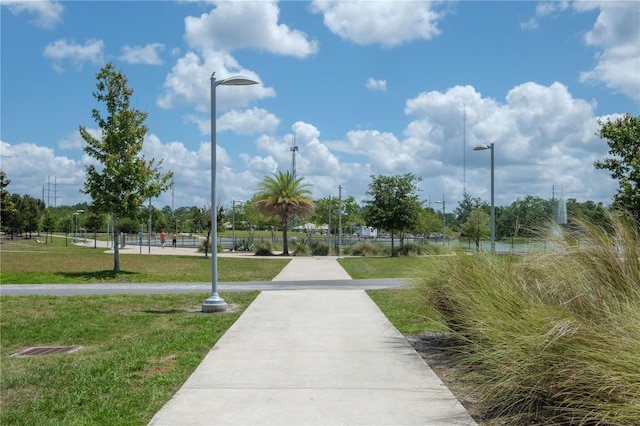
pixel 285 240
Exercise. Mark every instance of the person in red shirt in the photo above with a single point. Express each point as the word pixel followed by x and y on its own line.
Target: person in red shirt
pixel 163 238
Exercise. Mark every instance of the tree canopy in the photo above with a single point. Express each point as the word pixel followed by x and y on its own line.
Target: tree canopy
pixel 623 138
pixel 124 179
pixel 477 227
pixel 394 204
pixel 284 196
pixel 7 207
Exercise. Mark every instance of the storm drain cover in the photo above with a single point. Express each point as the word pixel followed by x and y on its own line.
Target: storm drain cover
pixel 47 350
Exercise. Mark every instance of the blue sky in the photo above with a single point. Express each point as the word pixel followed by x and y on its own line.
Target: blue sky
pixel 365 87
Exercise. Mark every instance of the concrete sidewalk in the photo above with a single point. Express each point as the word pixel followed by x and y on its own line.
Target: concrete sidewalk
pixel 312 269
pixel 313 357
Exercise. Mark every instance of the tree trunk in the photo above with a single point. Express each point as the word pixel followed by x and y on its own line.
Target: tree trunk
pixel 285 240
pixel 116 253
pixel 392 253
pixel 209 244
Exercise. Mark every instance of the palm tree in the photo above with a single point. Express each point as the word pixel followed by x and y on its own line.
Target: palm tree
pixel 284 196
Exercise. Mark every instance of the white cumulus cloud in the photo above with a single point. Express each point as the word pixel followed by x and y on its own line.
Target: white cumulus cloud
pixel 616 33
pixel 46 14
pixel 240 24
pixel 68 50
pixel 188 83
pixel 388 23
pixel 149 54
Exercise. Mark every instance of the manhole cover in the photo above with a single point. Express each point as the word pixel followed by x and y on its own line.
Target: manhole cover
pixel 47 350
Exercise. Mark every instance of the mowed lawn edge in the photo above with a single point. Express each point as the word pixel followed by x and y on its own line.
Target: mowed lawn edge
pixel 69 265
pixel 137 350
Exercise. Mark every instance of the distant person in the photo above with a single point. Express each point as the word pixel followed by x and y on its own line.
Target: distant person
pixel 174 240
pixel 163 238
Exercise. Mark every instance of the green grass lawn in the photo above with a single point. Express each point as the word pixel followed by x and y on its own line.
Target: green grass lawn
pixel 27 262
pixel 137 350
pixel 387 267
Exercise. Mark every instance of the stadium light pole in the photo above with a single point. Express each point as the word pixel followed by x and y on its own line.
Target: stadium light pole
pixel 493 209
pixel 215 303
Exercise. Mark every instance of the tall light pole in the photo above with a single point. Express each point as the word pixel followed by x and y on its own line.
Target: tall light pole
pixel 76 216
pixel 329 230
pixel 493 209
pixel 149 228
pixel 444 220
pixel 215 303
pixel 340 222
pixel 233 223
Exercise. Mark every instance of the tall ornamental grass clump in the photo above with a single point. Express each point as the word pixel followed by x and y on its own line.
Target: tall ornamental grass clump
pixel 550 338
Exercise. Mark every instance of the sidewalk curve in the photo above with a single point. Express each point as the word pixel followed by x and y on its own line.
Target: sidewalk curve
pixel 313 357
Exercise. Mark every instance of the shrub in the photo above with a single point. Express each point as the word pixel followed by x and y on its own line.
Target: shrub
pixel 550 338
pixel 245 245
pixel 412 249
pixel 264 248
pixel 319 248
pixel 299 248
pixel 204 246
pixel 365 248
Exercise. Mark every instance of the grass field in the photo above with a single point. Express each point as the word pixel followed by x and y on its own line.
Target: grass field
pixel 550 338
pixel 136 352
pixel 28 262
pixel 387 267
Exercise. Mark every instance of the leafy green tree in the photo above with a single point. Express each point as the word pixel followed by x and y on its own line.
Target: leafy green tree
pixel 128 225
pixel 428 221
pixel 30 209
pixel 251 217
pixel 7 207
pixel 198 218
pixel 49 224
pixel 284 196
pixel 158 219
pixel 623 138
pixel 467 205
pixel 524 218
pixel 595 213
pixel 66 225
pixel 477 227
pixel 125 179
pixel 351 212
pixel 94 222
pixel 394 205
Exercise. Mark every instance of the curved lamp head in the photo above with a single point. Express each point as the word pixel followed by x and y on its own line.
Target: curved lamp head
pixel 237 80
pixel 481 147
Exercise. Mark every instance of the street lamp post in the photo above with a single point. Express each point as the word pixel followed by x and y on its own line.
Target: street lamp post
pixel 444 220
pixel 493 209
pixel 149 226
pixel 76 217
pixel 215 303
pixel 340 222
pixel 233 224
